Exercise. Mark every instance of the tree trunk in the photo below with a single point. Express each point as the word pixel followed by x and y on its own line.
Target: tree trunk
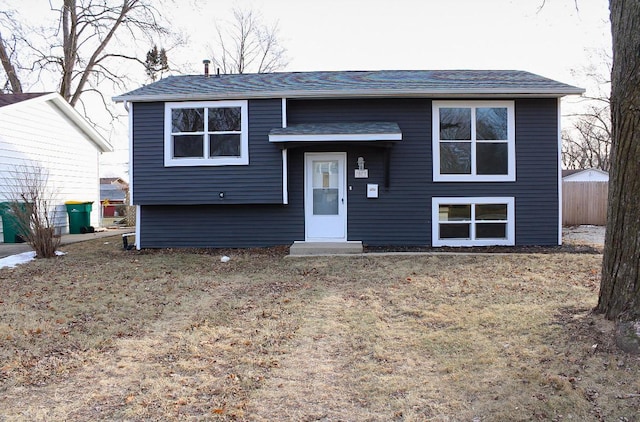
pixel 69 47
pixel 9 68
pixel 620 284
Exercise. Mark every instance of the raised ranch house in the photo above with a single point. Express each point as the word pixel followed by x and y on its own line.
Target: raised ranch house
pixel 452 157
pixel 43 130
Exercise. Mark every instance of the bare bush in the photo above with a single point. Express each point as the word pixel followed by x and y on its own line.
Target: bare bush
pixel 34 207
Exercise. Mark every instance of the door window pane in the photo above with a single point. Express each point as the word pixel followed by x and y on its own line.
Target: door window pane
pixel 325 201
pixel 455 124
pixel 325 174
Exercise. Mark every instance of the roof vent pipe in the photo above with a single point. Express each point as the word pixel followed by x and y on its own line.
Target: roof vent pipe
pixel 218 73
pixel 206 67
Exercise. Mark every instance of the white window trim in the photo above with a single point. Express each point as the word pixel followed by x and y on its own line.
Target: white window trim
pixel 243 159
pixel 435 221
pixel 511 142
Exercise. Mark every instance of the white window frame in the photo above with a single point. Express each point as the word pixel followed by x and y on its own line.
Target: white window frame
pixel 473 177
pixel 472 201
pixel 243 159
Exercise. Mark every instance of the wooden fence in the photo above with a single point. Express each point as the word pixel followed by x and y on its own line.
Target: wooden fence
pixel 584 203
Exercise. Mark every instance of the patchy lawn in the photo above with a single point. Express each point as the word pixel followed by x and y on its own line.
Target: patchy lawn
pixel 103 334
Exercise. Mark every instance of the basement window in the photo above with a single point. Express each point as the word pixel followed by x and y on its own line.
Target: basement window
pixel 473 221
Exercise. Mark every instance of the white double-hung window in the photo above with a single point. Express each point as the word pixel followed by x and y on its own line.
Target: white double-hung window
pixel 212 133
pixel 474 141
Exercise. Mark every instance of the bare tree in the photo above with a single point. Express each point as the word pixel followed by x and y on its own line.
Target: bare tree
pixel 34 208
pixel 7 55
pixel 587 141
pixel 83 45
pixel 587 144
pixel 619 297
pixel 248 45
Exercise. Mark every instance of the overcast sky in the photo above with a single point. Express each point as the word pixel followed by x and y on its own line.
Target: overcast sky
pixel 555 41
pixel 422 34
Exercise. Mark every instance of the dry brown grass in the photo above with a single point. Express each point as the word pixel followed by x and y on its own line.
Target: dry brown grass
pixel 103 334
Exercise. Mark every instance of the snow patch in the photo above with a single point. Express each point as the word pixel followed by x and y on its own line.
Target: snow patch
pixel 21 258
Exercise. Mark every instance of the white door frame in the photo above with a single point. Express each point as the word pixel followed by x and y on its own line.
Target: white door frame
pixel 309 157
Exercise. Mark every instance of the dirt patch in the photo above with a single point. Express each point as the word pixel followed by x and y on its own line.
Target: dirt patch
pixel 585 235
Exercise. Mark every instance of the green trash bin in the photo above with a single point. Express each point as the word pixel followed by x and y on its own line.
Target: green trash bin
pixel 79 216
pixel 11 231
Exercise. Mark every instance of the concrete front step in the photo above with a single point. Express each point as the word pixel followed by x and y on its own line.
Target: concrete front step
pixel 300 248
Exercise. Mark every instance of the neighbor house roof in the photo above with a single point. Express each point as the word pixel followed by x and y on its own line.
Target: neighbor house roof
pixel 410 83
pixel 56 101
pixel 113 180
pixel 8 99
pixel 112 193
pixel 571 172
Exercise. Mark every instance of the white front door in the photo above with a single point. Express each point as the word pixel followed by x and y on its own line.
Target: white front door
pixel 325 202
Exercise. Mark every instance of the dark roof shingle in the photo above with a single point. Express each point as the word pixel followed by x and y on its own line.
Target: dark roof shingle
pixel 350 83
pixel 8 99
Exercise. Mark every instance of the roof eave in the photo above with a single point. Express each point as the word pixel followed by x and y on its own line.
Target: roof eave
pixel 456 93
pixel 81 123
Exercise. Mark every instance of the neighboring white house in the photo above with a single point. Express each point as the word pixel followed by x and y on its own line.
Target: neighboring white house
pixel 42 129
pixel 585 175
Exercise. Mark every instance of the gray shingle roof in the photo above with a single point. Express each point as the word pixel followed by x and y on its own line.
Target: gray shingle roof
pixel 8 99
pixel 433 83
pixel 112 193
pixel 364 128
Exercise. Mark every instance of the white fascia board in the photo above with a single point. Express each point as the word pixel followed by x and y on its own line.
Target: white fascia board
pixel 431 93
pixel 336 137
pixel 81 123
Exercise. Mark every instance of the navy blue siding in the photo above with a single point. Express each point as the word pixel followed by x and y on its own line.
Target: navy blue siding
pixel 258 183
pixel 402 213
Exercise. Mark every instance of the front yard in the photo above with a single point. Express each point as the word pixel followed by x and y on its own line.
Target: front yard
pixel 104 334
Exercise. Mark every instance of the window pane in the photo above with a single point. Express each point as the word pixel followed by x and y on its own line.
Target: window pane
pixel 455 158
pixel 456 212
pixel 491 212
pixel 187 120
pixel 455 124
pixel 224 119
pixel 325 201
pixel 491 124
pixel 187 146
pixel 491 231
pixel 224 145
pixel 455 231
pixel 492 158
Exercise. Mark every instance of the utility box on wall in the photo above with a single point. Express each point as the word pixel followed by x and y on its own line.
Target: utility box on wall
pixel 372 190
